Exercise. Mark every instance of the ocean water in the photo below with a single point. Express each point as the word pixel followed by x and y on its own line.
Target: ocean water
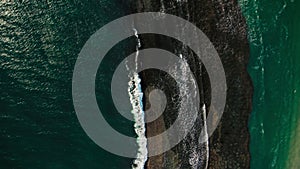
pixel 274 67
pixel 39 44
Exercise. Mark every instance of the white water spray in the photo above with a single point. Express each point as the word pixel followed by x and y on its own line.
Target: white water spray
pixel 136 98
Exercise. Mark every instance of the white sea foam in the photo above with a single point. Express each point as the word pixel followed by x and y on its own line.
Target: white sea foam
pixel 136 97
pixel 206 134
pixel 199 153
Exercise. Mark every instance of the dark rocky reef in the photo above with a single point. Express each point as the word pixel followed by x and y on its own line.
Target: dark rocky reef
pixel 40 43
pixel 223 23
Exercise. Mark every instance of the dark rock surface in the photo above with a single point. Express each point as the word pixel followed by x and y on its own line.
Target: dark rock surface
pixel 40 42
pixel 223 23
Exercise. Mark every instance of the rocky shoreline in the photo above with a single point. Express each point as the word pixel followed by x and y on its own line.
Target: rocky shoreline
pixel 223 23
pixel 41 42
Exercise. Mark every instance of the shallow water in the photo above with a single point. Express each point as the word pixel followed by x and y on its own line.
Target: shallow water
pixel 274 37
pixel 39 46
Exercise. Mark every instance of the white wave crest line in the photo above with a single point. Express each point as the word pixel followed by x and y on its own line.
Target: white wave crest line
pixel 182 71
pixel 206 134
pixel 163 9
pixel 138 46
pixel 136 98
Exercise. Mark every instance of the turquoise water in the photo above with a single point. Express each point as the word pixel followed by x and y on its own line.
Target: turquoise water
pixel 40 43
pixel 273 27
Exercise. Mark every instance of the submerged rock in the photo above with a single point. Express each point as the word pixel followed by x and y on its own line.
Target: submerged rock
pixel 41 42
pixel 223 23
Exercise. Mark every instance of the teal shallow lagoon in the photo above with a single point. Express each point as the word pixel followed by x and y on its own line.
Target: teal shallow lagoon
pixel 273 28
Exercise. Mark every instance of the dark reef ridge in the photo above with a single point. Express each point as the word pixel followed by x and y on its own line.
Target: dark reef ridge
pixel 40 42
pixel 224 25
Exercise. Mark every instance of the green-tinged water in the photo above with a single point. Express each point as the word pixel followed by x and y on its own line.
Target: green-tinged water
pixel 273 27
pixel 39 44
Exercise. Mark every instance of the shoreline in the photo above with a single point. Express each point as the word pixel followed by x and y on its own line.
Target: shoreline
pixel 229 145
